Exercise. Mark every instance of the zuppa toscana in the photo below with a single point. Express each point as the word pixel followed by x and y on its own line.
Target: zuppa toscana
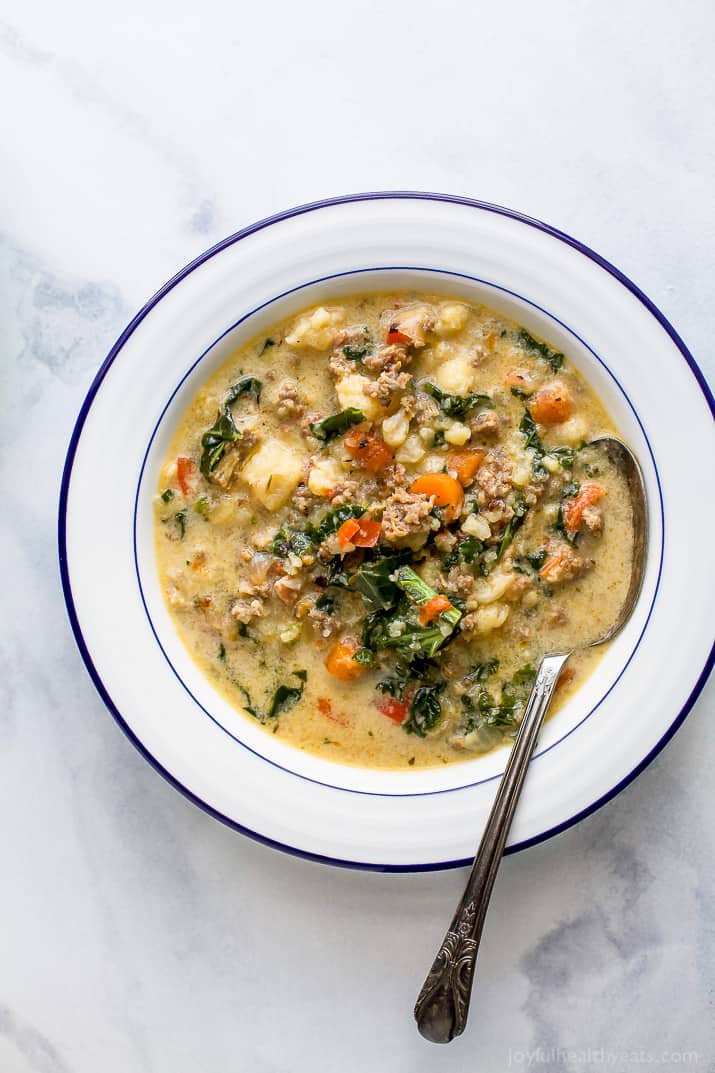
pixel 374 519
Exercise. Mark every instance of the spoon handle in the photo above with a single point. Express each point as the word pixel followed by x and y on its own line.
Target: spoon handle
pixel 443 1003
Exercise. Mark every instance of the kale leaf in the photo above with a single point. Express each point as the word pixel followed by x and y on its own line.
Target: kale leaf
pixel 247 385
pixel 425 710
pixel 566 456
pixel 393 626
pixel 531 562
pixel 456 405
pixel 421 593
pixel 287 696
pixel 365 656
pixel 482 671
pixel 533 442
pixel 301 541
pixel 373 581
pixel 520 511
pixel 331 522
pixel 215 441
pixel 358 351
pixel 465 551
pixel 223 432
pixel 336 424
pixel 553 358
pixel 507 711
pixel 567 492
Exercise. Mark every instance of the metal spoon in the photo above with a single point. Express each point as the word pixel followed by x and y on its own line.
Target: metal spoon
pixel 443 1003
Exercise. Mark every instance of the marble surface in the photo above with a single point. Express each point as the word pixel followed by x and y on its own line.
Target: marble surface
pixel 137 935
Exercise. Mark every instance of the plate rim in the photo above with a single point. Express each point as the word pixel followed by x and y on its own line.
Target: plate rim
pixel 97 383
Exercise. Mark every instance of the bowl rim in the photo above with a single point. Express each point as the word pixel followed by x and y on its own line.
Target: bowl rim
pixel 113 355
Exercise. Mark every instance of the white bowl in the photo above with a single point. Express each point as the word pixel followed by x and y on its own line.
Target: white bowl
pixel 557 288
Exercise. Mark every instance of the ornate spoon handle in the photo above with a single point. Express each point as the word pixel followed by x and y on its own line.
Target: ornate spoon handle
pixel 443 1003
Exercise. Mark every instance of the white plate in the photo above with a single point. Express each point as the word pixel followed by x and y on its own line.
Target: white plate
pixel 607 733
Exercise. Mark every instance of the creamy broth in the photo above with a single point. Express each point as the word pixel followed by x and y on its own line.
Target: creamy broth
pixel 374 520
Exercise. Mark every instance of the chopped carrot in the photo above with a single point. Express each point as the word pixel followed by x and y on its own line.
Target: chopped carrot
pixel 340 662
pixel 552 404
pixel 573 509
pixel 369 450
pixel 184 470
pixel 561 566
pixel 550 566
pixel 518 378
pixel 347 531
pixel 362 533
pixel 433 608
pixel 325 708
pixel 396 710
pixel 465 464
pixel 394 335
pixel 446 490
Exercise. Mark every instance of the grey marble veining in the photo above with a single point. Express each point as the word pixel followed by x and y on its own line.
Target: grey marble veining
pixel 137 935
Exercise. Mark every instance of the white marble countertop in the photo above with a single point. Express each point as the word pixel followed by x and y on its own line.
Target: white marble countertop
pixel 138 935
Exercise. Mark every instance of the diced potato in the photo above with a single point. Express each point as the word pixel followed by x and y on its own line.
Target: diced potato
pixel 351 392
pixel 433 463
pixel 476 525
pixel 224 513
pixel 492 588
pixel 273 472
pixel 521 474
pixel 324 475
pixel 291 633
pixel 395 429
pixel 491 618
pixel 551 464
pixel 442 351
pixel 414 322
pixel 571 432
pixel 316 329
pixel 457 433
pixel 522 460
pixel 411 451
pixel 452 317
pixel 456 375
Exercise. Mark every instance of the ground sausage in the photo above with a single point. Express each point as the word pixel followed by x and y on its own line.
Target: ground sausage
pixel 387 384
pixel 494 474
pixel 485 422
pixel 562 563
pixel 404 513
pixel 392 356
pixel 289 402
pixel 246 610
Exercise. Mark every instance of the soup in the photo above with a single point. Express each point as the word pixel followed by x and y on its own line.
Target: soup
pixel 376 518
